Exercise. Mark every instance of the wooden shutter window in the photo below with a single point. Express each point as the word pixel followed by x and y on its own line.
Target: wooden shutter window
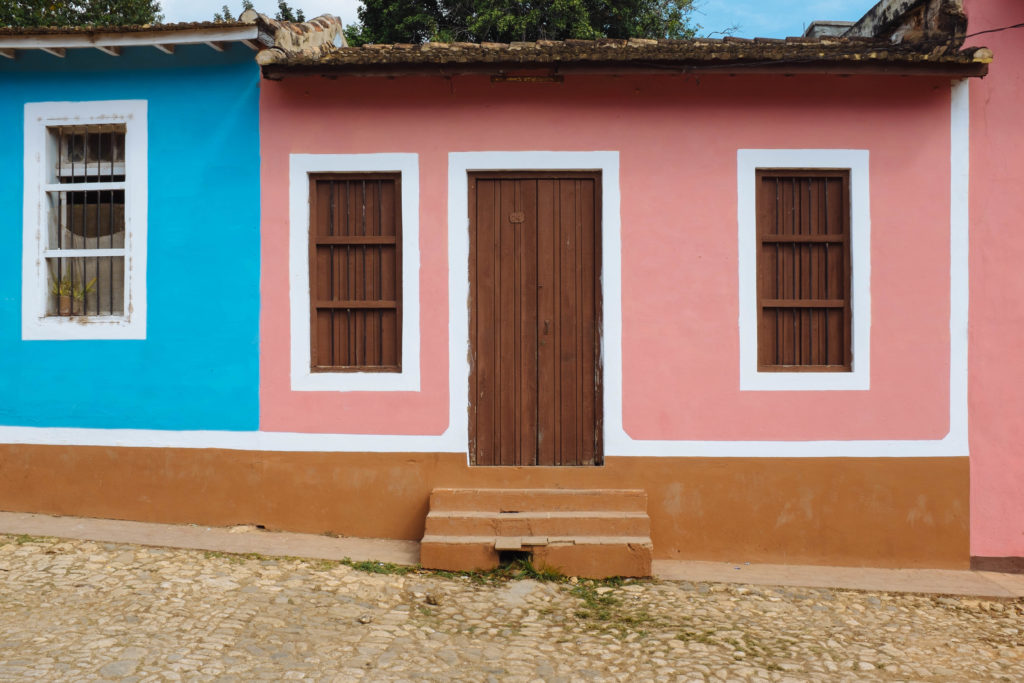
pixel 355 265
pixel 803 270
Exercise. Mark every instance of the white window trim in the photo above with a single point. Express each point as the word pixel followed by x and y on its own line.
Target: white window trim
pixel 856 161
pixel 300 167
pixel 35 324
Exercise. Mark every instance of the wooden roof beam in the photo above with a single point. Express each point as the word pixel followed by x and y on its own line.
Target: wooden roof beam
pixel 156 36
pixel 112 50
pixel 166 48
pixel 55 51
pixel 7 52
pixel 217 45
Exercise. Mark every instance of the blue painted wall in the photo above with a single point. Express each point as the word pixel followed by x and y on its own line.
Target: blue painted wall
pixel 198 366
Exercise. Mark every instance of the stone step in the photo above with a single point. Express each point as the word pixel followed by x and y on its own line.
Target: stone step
pixel 591 556
pixel 544 523
pixel 538 500
pixel 594 533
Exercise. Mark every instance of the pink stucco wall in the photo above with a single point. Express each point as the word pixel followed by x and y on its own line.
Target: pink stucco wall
pixel 677 139
pixel 997 286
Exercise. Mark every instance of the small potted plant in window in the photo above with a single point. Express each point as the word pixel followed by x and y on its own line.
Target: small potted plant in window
pixel 68 294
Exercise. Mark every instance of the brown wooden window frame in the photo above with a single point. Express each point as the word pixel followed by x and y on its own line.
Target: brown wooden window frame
pixel 372 301
pixel 804 235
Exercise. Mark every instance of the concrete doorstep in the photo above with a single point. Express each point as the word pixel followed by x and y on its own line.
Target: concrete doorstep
pixel 249 539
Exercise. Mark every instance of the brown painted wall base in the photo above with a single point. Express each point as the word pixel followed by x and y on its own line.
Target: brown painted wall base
pixel 884 512
pixel 1007 565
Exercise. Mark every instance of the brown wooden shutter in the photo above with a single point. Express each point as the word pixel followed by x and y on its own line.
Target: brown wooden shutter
pixel 803 270
pixel 355 266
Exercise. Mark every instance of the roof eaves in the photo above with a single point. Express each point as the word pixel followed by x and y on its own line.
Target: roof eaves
pixel 254 30
pixel 829 55
pixel 112 39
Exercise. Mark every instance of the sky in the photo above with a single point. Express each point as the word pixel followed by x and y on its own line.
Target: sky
pixel 747 18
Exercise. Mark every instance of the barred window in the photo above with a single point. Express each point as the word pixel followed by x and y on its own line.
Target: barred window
pixel 85 236
pixel 84 217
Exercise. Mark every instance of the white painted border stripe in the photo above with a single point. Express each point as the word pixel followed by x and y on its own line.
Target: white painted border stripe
pixel 617 442
pixel 856 161
pixel 959 263
pixel 238 441
pixel 955 442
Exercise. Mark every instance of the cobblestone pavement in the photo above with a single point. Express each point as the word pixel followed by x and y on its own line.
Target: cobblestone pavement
pixel 79 610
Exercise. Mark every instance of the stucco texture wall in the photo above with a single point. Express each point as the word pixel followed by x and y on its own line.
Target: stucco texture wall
pixel 677 139
pixel 997 285
pixel 197 368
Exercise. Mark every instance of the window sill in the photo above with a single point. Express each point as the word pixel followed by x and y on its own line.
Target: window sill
pixel 805 380
pixel 82 328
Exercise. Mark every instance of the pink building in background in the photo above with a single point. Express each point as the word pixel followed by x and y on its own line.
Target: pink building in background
pixel 996 359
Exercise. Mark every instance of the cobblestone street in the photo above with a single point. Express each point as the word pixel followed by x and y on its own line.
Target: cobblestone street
pixel 75 610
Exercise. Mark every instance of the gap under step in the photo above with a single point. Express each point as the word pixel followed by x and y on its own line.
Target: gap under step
pixel 595 557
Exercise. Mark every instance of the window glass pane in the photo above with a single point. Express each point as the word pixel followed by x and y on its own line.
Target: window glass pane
pixel 86 220
pixel 89 153
pixel 85 286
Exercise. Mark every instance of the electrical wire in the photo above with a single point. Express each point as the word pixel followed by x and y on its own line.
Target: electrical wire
pixel 994 30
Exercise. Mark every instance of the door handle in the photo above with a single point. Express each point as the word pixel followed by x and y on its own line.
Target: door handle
pixel 547 327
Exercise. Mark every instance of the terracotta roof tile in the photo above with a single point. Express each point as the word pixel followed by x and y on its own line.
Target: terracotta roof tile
pixel 608 52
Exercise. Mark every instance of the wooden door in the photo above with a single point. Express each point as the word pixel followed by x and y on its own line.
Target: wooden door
pixel 535 301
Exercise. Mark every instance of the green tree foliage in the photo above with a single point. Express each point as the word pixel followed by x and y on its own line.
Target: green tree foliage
pixel 284 12
pixel 225 12
pixel 78 12
pixel 415 21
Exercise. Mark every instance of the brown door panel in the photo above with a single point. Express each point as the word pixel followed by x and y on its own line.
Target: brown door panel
pixel 535 319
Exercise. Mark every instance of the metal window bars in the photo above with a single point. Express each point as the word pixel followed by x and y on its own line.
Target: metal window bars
pixel 85 249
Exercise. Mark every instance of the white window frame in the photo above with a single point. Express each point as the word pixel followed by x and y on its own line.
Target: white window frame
pixel 856 162
pixel 39 117
pixel 300 168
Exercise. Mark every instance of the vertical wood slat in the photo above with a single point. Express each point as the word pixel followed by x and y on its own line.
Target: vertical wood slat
pixel 505 321
pixel 527 336
pixel 483 389
pixel 568 318
pixel 346 209
pixel 547 347
pixel 792 205
pixel 534 306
